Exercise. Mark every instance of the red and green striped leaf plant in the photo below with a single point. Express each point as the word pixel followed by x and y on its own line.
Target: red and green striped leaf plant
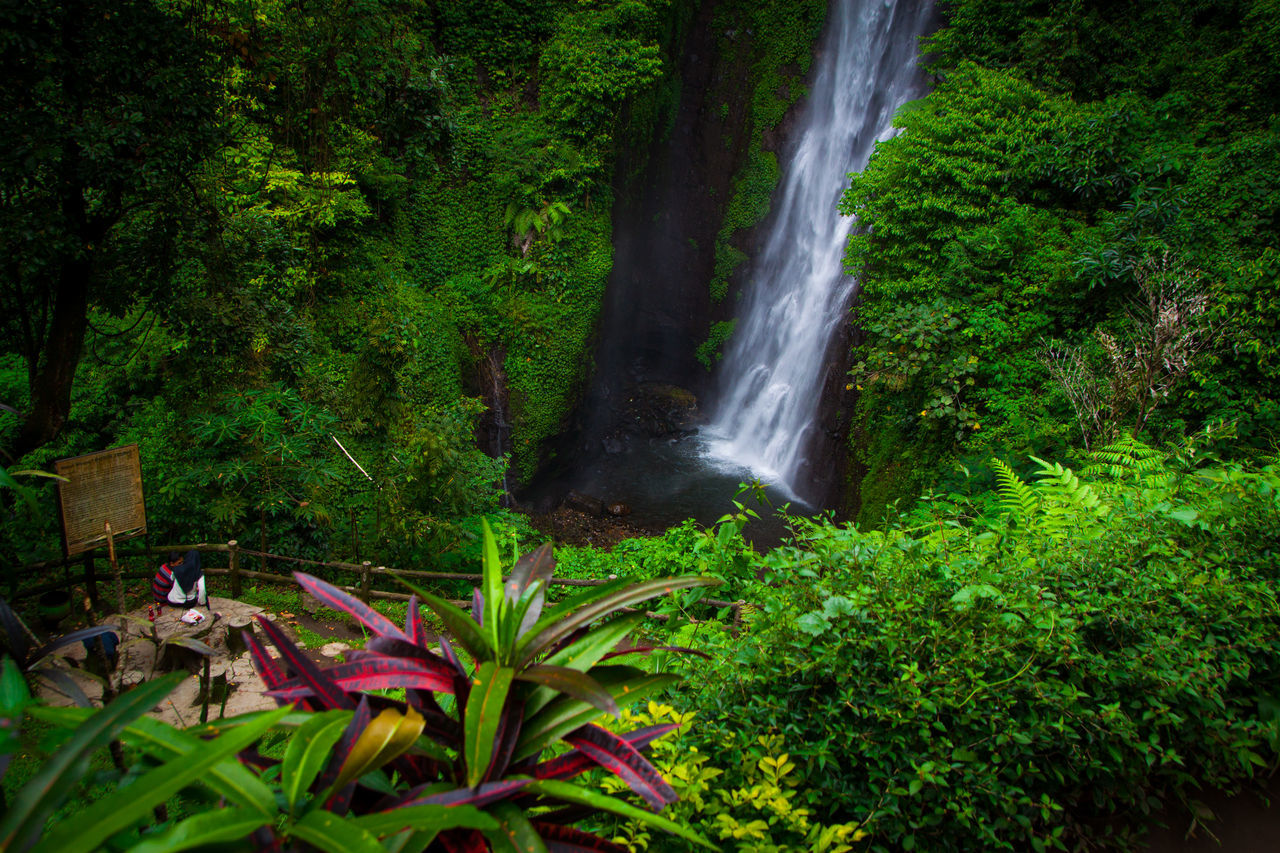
pixel 533 680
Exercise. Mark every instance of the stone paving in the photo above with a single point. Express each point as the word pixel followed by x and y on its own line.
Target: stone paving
pixel 146 650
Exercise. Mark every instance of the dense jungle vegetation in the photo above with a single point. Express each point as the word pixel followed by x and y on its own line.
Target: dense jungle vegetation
pixel 249 236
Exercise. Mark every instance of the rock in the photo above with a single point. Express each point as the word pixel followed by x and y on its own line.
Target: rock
pixel 584 503
pixel 659 410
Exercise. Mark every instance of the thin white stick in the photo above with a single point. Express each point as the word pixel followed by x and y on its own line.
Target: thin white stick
pixel 349 456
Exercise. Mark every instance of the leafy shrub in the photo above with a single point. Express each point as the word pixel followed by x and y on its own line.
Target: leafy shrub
pixel 1035 669
pixel 764 812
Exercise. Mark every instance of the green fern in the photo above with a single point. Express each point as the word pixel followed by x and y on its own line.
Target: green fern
pixel 1128 458
pixel 1068 503
pixel 1017 498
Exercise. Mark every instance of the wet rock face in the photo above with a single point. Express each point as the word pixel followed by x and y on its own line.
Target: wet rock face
pixel 658 410
pixel 647 411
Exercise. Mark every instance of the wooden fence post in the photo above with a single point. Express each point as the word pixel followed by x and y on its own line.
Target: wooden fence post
pixel 233 551
pixel 366 580
pixel 90 578
pixel 115 569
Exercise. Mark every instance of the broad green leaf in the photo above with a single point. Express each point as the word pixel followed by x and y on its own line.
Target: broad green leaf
pixel 562 717
pixel 310 748
pixel 229 779
pixel 410 841
pixel 514 833
pixel 485 702
pixel 550 630
pixel 435 818
pixel 126 807
pixel 581 599
pixel 222 825
pixel 586 652
pixel 494 602
pixel 388 736
pixel 335 834
pixel 570 682
pixel 517 614
pixel 45 791
pixel 33 472
pixel 570 793
pixel 14 694
pixel 14 697
pixel 8 482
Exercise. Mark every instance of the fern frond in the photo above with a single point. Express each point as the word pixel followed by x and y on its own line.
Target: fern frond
pixel 1016 498
pixel 1126 457
pixel 1064 486
pixel 1069 506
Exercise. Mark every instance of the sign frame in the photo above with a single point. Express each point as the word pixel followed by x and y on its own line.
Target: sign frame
pixel 100 488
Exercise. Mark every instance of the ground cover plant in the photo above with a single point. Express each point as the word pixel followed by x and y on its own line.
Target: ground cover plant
pixel 468 745
pixel 1039 666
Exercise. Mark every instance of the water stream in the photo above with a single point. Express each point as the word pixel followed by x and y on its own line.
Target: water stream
pixel 796 301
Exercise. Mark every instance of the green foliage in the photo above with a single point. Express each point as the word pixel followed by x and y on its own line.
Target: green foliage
pixel 957 682
pixel 1058 154
pixel 602 54
pixel 762 812
pixel 446 749
pixel 711 350
pixel 770 45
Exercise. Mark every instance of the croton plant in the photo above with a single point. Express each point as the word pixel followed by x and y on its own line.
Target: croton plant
pixel 475 741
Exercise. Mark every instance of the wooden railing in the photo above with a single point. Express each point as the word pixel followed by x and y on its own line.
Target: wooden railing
pixel 237 574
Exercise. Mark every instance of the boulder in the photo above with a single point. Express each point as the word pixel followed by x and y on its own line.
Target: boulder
pixel 584 503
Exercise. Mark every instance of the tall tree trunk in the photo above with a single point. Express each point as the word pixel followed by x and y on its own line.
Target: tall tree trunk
pixel 55 373
pixel 51 389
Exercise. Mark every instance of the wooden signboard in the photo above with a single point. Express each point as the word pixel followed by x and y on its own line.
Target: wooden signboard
pixel 101 487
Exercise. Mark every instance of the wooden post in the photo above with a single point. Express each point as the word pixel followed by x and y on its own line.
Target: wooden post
pixel 233 553
pixel 90 578
pixel 366 580
pixel 115 569
pixel 236 628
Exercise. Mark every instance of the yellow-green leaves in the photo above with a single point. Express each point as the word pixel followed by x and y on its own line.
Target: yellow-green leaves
pixel 388 736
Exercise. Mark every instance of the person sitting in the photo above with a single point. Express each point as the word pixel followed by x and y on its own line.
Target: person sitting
pixel 180 581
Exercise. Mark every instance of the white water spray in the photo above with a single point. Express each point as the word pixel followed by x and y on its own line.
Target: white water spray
pixel 798 295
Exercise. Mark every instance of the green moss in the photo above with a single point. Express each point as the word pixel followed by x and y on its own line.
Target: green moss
pixel 773 44
pixel 710 350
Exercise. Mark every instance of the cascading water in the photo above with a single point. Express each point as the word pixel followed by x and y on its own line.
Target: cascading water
pixel 797 297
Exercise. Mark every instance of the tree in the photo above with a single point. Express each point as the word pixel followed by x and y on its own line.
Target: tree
pixel 109 109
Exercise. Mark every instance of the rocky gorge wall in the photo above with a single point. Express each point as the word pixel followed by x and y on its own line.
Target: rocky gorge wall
pixel 689 207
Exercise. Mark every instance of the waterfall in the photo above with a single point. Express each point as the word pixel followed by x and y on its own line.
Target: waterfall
pixel 797 295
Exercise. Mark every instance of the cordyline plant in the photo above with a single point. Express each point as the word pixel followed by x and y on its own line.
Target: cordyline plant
pixel 456 764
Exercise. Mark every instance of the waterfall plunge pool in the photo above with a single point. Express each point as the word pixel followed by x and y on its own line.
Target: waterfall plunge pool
pixel 665 480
